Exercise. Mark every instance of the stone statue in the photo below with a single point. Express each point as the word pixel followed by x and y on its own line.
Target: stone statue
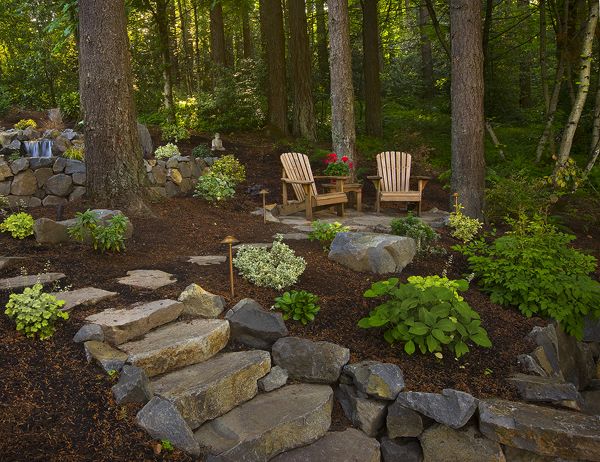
pixel 217 143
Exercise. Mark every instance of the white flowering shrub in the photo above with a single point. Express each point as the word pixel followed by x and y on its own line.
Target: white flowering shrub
pixel 277 267
pixel 167 151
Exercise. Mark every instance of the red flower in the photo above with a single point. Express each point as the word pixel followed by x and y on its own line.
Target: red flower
pixel 345 159
pixel 351 165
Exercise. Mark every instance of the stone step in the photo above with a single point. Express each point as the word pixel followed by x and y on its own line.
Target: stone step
pixel 20 282
pixel 84 296
pixel 269 424
pixel 209 389
pixel 120 326
pixel 177 345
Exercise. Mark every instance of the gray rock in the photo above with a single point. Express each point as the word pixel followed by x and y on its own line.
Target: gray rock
pixel 42 175
pixel 5 170
pixel 529 364
pixel 159 172
pixel 309 361
pixel 109 358
pixel 206 260
pixel 543 430
pixel 545 337
pixel 59 165
pixel 60 145
pixel 19 165
pixel 145 141
pixel 519 455
pixel 41 162
pixel 591 327
pixel 78 193
pixel 74 166
pixel 79 179
pixel 53 201
pixel 10 262
pixel 48 231
pixel 365 413
pixel 591 402
pixel 24 201
pixel 5 187
pixel 59 185
pixel 133 386
pixel 452 408
pixel 402 422
pixel 401 450
pixel 172 189
pixel 253 326
pixel 24 184
pixel 147 279
pixel 161 419
pixel 275 379
pixel 380 380
pixel 198 302
pixel 544 389
pixel 89 332
pixel 373 252
pixel 350 445
pixel 185 168
pixel 19 282
pixel 444 444
pixel 84 296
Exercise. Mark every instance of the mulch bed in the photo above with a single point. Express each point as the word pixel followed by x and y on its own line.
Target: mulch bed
pixel 54 406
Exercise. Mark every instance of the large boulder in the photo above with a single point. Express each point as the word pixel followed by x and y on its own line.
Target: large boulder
pixel 365 413
pixel 373 252
pixel 379 380
pixel 546 389
pixel 402 422
pixel 133 386
pixel 444 444
pixel 48 231
pixel 5 171
pixel 198 302
pixel 275 379
pixel 253 326
pixel 24 184
pixel 145 141
pixel 305 360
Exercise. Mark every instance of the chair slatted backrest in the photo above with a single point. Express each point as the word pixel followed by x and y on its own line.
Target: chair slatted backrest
pixel 297 167
pixel 394 169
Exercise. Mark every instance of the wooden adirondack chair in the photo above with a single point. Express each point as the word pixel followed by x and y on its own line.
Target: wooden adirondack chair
pixel 297 172
pixel 392 182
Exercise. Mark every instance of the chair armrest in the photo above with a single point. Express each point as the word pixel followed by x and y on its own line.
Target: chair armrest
pixel 374 177
pixel 325 177
pixel 417 177
pixel 287 180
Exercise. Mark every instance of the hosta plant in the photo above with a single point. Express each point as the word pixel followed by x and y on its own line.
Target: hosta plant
pixel 325 232
pixel 106 238
pixel 427 316
pixel 19 225
pixel 299 305
pixel 214 187
pixel 421 232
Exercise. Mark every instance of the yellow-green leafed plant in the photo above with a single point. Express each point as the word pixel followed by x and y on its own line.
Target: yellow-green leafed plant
pixel 463 227
pixel 229 167
pixel 25 123
pixel 325 232
pixel 167 151
pixel 35 312
pixel 19 225
pixel 74 153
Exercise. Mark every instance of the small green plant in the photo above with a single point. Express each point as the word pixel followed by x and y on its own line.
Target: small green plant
pixel 229 167
pixel 421 232
pixel 201 151
pixel 214 188
pixel 425 282
pixel 167 445
pixel 69 105
pixel 106 238
pixel 19 225
pixel 534 268
pixel 113 373
pixel 74 152
pixel 174 133
pixel 426 315
pixel 35 312
pixel 463 227
pixel 167 151
pixel 337 167
pixel 25 123
pixel 325 232
pixel 299 305
pixel 277 267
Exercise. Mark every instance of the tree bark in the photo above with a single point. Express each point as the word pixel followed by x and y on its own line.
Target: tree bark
pixel 595 141
pixel 303 121
pixel 186 45
pixel 271 22
pixel 246 33
pixel 217 35
pixel 164 38
pixel 322 53
pixel 524 68
pixel 543 60
pixel 467 96
pixel 436 27
pixel 426 55
pixel 373 121
pixel 115 173
pixel 552 106
pixel 343 131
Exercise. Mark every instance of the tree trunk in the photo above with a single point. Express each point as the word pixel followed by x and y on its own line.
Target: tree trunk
pixel 271 22
pixel 217 35
pixel 322 54
pixel 303 122
pixel 436 27
pixel 164 38
pixel 467 94
pixel 426 55
pixel 595 142
pixel 246 33
pixel 343 132
pixel 188 67
pixel 584 84
pixel 524 68
pixel 552 105
pixel 373 122
pixel 543 60
pixel 115 173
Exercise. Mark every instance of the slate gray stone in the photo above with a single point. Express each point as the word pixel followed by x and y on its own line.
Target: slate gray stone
pixel 77 193
pixel 530 365
pixel 402 422
pixel 309 361
pixel 373 252
pixel 544 389
pixel 42 176
pixel 401 450
pixel 89 332
pixel 366 413
pixel 379 380
pixel 24 184
pixel 199 302
pixel 19 165
pixel 109 358
pixel 48 231
pixel 545 337
pixel 275 379
pixel 444 444
pixel 161 419
pixel 19 282
pixel 253 326
pixel 145 141
pixel 206 260
pixel 133 386
pixel 41 162
pixel 53 201
pixel 74 166
pixel 452 408
pixel 147 279
pixel 79 179
pixel 5 187
pixel 591 402
pixel 59 165
pixel 84 296
pixel 59 185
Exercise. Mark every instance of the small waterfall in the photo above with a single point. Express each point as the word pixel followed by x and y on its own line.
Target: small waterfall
pixel 39 148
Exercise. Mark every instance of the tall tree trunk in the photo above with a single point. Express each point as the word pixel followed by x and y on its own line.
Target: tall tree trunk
pixel 426 55
pixel 343 132
pixel 185 43
pixel 246 33
pixel 552 105
pixel 543 60
pixel 467 94
pixel 303 122
pixel 271 22
pixel 115 173
pixel 164 38
pixel 595 142
pixel 322 53
pixel 524 68
pixel 197 53
pixel 373 122
pixel 436 26
pixel 217 35
pixel 584 84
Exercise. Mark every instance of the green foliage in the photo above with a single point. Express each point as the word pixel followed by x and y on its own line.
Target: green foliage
pixel 426 315
pixel 167 151
pixel 25 123
pixel 201 151
pixel 463 227
pixel 167 445
pixel 214 187
pixel 567 177
pixel 74 152
pixel 4 204
pixel 5 100
pixel 424 282
pixel 299 305
pixel 174 133
pixel 325 232
pixel 35 312
pixel 277 267
pixel 229 167
pixel 420 231
pixel 106 238
pixel 19 225
pixel 69 105
pixel 534 268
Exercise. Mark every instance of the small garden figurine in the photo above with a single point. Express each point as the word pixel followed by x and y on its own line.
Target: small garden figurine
pixel 217 143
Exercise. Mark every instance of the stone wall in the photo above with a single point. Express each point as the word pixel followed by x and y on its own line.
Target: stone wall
pixel 53 181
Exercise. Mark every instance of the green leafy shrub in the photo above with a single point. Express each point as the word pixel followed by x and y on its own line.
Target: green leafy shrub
pixel 106 238
pixel 277 267
pixel 325 232
pixel 214 187
pixel 167 151
pixel 229 167
pixel 35 312
pixel 74 152
pixel 534 268
pixel 427 315
pixel 463 227
pixel 5 100
pixel 19 225
pixel 424 282
pixel 174 133
pixel 421 232
pixel 25 123
pixel 69 105
pixel 201 151
pixel 299 305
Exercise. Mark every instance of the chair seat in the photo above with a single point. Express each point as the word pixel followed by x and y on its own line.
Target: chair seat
pixel 393 196
pixel 330 198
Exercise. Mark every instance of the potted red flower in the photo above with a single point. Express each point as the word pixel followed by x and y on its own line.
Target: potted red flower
pixel 337 167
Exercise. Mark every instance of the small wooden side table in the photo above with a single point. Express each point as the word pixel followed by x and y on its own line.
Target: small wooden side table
pixel 355 188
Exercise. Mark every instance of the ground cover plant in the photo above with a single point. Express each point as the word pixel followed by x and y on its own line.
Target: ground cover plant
pixel 109 237
pixel 19 225
pixel 325 232
pixel 299 305
pixel 167 151
pixel 411 226
pixel 214 187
